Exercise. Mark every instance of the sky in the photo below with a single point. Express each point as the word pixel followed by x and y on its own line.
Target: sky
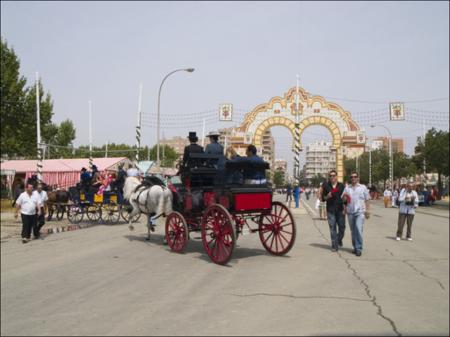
pixel 360 55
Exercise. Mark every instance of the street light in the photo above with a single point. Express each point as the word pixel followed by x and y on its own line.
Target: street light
pixel 189 70
pixel 391 161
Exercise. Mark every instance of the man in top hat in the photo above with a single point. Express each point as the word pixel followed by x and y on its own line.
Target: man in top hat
pixel 214 147
pixel 191 148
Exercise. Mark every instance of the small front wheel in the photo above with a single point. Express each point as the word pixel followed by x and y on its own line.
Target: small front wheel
pixel 218 234
pixel 277 229
pixel 177 233
pixel 75 214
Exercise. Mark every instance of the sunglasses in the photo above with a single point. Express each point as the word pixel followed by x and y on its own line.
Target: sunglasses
pixel 354 176
pixel 332 175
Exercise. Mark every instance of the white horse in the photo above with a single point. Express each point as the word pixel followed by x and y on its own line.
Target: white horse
pixel 154 201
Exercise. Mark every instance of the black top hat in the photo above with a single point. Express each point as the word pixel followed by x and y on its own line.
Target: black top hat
pixel 94 167
pixel 193 136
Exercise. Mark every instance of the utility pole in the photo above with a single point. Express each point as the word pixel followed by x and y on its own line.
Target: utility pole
pixel 203 134
pixel 106 149
pixel 38 128
pixel 90 135
pixel 138 126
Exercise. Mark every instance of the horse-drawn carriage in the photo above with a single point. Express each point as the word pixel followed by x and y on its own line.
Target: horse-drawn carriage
pixel 206 201
pixel 107 207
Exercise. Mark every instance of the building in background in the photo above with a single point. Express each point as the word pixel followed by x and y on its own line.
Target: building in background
pixel 398 144
pixel 320 159
pixel 177 143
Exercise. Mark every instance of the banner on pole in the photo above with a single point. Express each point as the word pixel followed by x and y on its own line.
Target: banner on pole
pixel 397 111
pixel 360 137
pixel 226 112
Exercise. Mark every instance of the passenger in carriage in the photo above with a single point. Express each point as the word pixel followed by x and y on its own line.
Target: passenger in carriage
pixel 214 147
pixel 250 176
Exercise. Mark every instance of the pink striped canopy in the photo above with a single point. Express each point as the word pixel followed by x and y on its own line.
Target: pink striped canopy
pixel 62 172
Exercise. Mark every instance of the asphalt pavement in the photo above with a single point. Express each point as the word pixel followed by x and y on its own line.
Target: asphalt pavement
pixel 106 280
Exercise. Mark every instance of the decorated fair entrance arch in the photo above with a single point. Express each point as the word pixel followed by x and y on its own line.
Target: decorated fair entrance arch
pixel 347 137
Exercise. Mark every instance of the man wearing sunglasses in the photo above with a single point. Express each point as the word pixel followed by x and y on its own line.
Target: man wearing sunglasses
pixel 356 197
pixel 331 193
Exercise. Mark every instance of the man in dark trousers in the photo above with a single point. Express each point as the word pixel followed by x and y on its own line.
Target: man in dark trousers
pixel 332 193
pixel 191 148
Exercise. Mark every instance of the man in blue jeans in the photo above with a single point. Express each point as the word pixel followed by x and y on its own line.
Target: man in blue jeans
pixel 356 197
pixel 332 192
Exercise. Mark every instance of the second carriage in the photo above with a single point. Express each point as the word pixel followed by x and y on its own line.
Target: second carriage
pixel 222 211
pixel 108 207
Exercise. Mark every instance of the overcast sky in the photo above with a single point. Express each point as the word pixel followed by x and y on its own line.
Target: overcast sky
pixel 243 53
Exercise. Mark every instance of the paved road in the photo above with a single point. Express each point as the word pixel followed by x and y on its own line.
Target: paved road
pixel 110 281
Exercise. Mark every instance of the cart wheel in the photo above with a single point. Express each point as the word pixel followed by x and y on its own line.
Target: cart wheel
pixel 177 233
pixel 111 213
pixel 60 210
pixel 94 213
pixel 277 229
pixel 75 214
pixel 218 234
pixel 126 216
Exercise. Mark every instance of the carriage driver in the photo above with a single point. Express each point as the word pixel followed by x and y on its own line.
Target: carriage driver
pixel 191 148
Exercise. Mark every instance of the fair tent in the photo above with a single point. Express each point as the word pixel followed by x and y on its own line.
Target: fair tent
pixel 62 172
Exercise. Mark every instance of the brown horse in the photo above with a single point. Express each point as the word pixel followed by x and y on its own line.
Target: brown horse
pixel 57 201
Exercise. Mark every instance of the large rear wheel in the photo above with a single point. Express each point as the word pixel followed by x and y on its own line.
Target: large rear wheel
pixel 218 234
pixel 177 234
pixel 277 229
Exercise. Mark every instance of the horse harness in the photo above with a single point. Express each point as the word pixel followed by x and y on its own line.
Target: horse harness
pixel 147 184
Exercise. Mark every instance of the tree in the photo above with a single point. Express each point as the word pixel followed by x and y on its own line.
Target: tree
pixel 12 98
pixel 278 178
pixel 18 112
pixel 169 158
pixel 434 149
pixel 317 179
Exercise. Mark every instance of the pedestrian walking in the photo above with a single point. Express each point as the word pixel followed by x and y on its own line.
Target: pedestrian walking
pixel 297 196
pixel 42 196
pixel 289 194
pixel 356 197
pixel 409 201
pixel 29 206
pixel 387 195
pixel 332 192
pixel 395 195
pixel 320 203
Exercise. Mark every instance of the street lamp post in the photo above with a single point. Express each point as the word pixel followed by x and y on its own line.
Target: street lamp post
pixel 190 70
pixel 391 161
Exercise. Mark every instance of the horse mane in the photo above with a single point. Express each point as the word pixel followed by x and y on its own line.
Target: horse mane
pixel 130 184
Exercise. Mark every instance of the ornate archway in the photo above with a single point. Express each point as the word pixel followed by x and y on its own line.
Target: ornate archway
pixel 347 137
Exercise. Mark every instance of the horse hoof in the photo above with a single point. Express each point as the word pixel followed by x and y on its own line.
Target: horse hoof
pixel 130 228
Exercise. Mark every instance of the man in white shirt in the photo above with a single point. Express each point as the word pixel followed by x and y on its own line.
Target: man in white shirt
pixel 42 195
pixel 29 205
pixel 356 197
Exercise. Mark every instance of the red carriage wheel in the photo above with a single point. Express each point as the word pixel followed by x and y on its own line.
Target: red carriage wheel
pixel 218 234
pixel 177 233
pixel 277 229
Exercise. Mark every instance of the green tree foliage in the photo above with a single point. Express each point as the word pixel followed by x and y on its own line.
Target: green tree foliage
pixel 434 149
pixel 167 155
pixel 18 112
pixel 317 179
pixel 278 178
pixel 403 167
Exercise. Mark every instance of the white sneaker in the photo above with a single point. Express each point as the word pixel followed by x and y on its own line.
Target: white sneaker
pixel 409 239
pixel 397 238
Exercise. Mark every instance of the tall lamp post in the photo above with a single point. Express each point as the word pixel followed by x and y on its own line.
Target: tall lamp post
pixel 189 70
pixel 391 161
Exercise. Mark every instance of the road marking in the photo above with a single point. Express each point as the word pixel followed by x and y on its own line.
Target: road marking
pixel 310 209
